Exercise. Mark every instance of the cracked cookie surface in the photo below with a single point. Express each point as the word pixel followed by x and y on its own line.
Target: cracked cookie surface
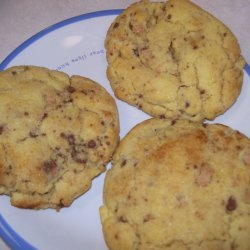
pixel 56 134
pixel 173 60
pixel 178 185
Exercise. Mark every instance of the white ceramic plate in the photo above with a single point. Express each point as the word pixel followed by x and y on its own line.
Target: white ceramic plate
pixel 76 46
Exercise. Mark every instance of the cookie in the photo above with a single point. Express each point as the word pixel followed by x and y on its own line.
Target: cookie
pixel 56 134
pixel 178 185
pixel 173 60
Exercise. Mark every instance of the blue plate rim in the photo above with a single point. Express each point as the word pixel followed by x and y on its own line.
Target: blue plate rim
pixel 247 69
pixel 10 237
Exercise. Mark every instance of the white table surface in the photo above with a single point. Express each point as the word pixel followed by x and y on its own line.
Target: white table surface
pixel 21 19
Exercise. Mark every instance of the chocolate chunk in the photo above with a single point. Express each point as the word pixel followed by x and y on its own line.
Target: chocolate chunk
pixel 84 92
pixel 130 26
pixel 32 134
pixel 136 52
pixel 71 89
pixel 70 138
pixel 1 129
pixel 116 25
pixel 123 219
pixel 91 144
pixel 172 51
pixel 50 167
pixel 231 204
pixel 173 122
pixel 68 101
pixel 148 217
pixel 77 156
pixel 124 162
pixel 78 159
pixel 202 91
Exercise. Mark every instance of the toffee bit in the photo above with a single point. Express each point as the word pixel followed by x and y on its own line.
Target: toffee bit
pixel 205 175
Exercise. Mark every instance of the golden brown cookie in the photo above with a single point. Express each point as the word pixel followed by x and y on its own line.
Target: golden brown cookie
pixel 56 134
pixel 178 185
pixel 173 60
